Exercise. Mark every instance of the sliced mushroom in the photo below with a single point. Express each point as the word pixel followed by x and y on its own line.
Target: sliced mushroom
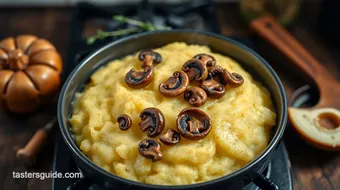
pixel 208 60
pixel 124 122
pixel 149 58
pixel 152 121
pixel 217 72
pixel 193 123
pixel 195 96
pixel 233 79
pixel 213 88
pixel 175 85
pixel 195 69
pixel 170 138
pixel 151 149
pixel 139 79
pixel 215 83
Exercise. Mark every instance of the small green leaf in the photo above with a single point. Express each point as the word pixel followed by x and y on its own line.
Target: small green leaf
pixel 91 40
pixel 118 18
pixel 101 34
pixel 139 26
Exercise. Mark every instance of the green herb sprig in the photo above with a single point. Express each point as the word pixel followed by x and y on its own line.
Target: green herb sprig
pixel 139 26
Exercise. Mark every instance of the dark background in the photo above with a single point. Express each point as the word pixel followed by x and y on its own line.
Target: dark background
pixel 311 168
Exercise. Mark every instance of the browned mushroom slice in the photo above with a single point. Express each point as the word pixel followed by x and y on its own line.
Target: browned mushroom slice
pixel 175 85
pixel 217 72
pixel 208 60
pixel 193 123
pixel 124 122
pixel 151 149
pixel 233 79
pixel 195 69
pixel 152 121
pixel 195 96
pixel 170 138
pixel 213 88
pixel 215 83
pixel 149 57
pixel 139 79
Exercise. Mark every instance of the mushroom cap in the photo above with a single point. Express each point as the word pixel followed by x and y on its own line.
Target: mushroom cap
pixel 214 84
pixel 195 69
pixel 193 123
pixel 233 79
pixel 151 149
pixel 217 73
pixel 156 57
pixel 208 60
pixel 139 79
pixel 175 85
pixel 170 137
pixel 152 121
pixel 195 96
pixel 124 122
pixel 213 88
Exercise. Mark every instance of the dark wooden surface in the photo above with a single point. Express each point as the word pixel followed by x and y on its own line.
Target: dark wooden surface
pixel 311 168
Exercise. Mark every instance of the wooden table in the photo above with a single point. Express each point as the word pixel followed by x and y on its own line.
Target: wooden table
pixel 312 169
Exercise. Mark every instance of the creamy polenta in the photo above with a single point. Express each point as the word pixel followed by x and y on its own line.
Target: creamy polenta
pixel 241 122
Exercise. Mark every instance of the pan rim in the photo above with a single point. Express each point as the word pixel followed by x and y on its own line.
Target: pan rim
pixel 273 143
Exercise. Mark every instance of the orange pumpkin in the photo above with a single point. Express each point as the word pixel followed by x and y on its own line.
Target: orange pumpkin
pixel 30 71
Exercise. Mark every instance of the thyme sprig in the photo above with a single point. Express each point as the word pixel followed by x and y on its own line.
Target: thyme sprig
pixel 138 27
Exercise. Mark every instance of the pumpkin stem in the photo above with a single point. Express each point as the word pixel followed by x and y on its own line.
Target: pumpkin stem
pixel 17 60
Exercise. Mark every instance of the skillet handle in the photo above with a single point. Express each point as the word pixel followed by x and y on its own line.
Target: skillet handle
pixel 269 29
pixel 263 182
pixel 80 184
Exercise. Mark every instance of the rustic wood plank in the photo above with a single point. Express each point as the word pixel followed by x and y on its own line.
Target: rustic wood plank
pixel 312 169
pixel 16 130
